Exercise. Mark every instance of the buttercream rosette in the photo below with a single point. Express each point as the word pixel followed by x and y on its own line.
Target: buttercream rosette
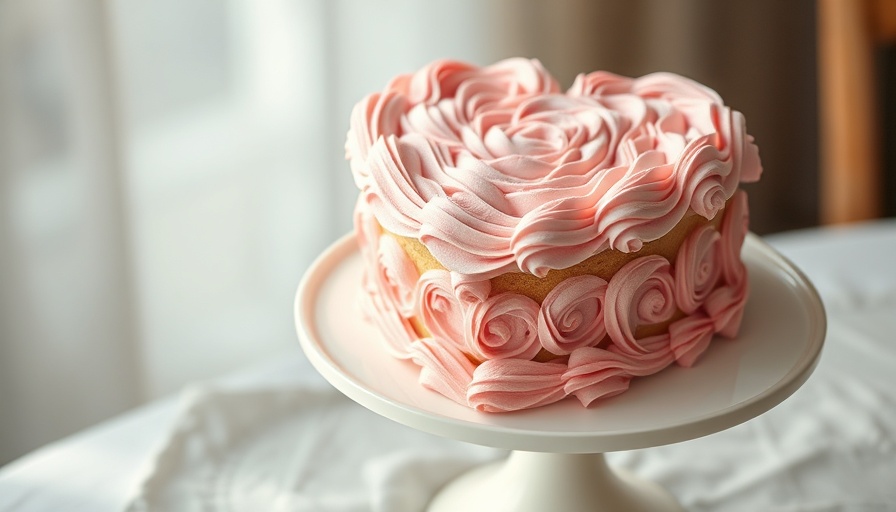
pixel 494 170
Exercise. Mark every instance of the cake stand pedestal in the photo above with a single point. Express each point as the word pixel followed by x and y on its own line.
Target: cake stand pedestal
pixel 539 481
pixel 557 460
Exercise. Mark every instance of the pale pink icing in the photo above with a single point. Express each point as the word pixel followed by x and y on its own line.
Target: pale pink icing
pixel 514 384
pixel 439 308
pixel 499 328
pixel 378 301
pixel 571 315
pixel 500 331
pixel 443 368
pixel 494 169
pixel 398 333
pixel 367 234
pixel 502 326
pixel 597 373
pixel 735 226
pixel 640 293
pixel 469 291
pixel 398 276
pixel 725 305
pixel 690 337
pixel 697 268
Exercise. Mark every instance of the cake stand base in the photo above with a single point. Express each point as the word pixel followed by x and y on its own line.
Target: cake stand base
pixel 536 481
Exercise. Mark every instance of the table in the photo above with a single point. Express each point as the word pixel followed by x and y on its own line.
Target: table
pixel 278 437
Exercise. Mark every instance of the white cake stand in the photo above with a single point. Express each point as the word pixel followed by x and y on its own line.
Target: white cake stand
pixel 557 461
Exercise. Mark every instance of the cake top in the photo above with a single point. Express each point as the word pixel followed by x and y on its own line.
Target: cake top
pixel 495 169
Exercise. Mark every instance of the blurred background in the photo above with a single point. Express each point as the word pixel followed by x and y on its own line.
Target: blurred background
pixel 169 169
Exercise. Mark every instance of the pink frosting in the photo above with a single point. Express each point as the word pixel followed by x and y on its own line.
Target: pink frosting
pixel 379 299
pixel 690 337
pixel 495 169
pixel 443 368
pixel 640 293
pixel 470 291
pixel 503 326
pixel 367 234
pixel 597 373
pixel 506 330
pixel 697 268
pixel 514 384
pixel 725 305
pixel 439 308
pixel 572 315
pixel 397 276
pixel 735 226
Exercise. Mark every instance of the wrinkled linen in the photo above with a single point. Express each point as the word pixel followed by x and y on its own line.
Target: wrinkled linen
pixel 829 447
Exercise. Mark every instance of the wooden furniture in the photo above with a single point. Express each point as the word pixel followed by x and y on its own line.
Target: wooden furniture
pixel 849 31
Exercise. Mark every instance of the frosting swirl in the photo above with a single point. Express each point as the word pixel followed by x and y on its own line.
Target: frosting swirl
pixel 690 337
pixel 443 368
pixel 382 294
pixel 439 309
pixel 495 169
pixel 595 373
pixel 697 268
pixel 640 293
pixel 513 384
pixel 571 315
pixel 396 275
pixel 735 226
pixel 503 326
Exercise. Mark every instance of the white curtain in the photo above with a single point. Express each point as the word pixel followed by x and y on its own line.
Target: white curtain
pixel 68 354
pixel 168 170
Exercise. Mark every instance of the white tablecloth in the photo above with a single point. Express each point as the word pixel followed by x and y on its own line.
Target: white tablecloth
pixel 278 437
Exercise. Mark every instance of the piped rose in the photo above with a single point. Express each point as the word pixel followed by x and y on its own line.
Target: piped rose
pixel 503 326
pixel 640 293
pixel 572 315
pixel 697 268
pixel 439 309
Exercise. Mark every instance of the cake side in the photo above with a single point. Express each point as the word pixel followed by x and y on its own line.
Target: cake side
pixel 498 350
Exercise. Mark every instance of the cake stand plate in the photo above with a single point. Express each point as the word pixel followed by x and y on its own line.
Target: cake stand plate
pixel 557 461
